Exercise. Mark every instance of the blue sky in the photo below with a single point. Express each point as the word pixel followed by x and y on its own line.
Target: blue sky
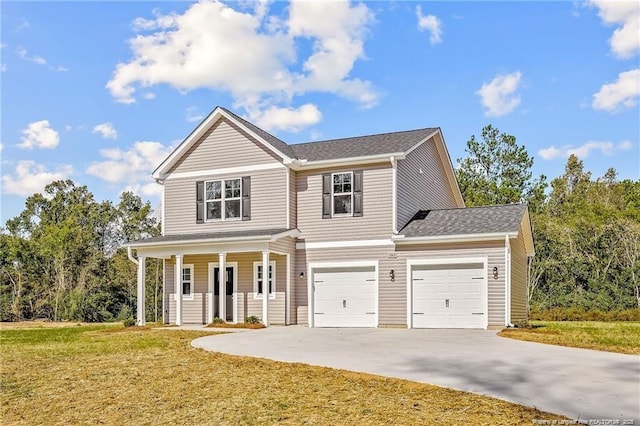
pixel 100 92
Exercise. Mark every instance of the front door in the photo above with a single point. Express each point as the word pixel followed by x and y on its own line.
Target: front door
pixel 228 291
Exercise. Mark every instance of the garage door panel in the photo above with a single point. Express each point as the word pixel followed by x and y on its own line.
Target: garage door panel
pixel 345 297
pixel 448 296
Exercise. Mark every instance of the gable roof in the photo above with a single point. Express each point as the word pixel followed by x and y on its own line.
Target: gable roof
pixel 483 221
pixel 362 146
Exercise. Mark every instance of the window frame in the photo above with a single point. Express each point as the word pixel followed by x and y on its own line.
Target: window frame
pixel 272 292
pixel 222 200
pixel 192 283
pixel 334 194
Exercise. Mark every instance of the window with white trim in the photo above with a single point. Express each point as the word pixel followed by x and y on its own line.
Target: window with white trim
pixel 187 281
pixel 258 280
pixel 342 193
pixel 223 199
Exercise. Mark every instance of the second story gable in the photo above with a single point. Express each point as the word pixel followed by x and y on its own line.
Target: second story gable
pixel 230 175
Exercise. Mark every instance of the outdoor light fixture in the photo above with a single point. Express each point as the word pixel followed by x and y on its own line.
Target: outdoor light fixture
pixel 301 276
pixel 392 275
pixel 495 272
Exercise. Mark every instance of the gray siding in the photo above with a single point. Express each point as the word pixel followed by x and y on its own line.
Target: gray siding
pixel 375 222
pixel 268 204
pixel 293 200
pixel 287 245
pixel 194 311
pixel 518 279
pixel 224 145
pixel 392 302
pixel 495 252
pixel 422 183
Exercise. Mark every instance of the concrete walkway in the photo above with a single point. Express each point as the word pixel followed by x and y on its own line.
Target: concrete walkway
pixel 578 383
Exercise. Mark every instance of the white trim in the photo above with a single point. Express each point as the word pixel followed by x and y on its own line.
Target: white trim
pixel 498 236
pixel 346 264
pixel 225 171
pixel 394 195
pixel 162 209
pixel 342 244
pixel 212 241
pixel 287 301
pixel 210 280
pixel 507 281
pixel 379 158
pixel 272 265
pixel 199 131
pixel 484 260
pixel 339 194
pixel 287 221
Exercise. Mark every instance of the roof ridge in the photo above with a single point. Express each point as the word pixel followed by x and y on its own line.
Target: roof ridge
pixel 365 136
pixel 482 207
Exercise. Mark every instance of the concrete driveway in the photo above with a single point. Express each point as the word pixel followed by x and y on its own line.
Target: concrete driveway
pixel 579 383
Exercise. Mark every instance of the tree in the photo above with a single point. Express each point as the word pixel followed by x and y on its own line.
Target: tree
pixel 498 171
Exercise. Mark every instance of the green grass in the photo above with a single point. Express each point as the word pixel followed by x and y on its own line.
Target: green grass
pixel 117 376
pixel 622 337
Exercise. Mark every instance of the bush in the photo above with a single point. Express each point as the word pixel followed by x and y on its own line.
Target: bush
pixel 218 320
pixel 580 314
pixel 129 322
pixel 252 320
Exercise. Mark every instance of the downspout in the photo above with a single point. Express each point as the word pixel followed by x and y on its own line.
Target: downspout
pixel 130 256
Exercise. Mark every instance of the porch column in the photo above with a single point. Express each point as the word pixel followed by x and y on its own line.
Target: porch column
pixel 265 288
pixel 210 298
pixel 178 288
pixel 141 317
pixel 222 283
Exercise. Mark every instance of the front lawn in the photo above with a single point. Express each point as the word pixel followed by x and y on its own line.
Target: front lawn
pixel 622 337
pixel 112 375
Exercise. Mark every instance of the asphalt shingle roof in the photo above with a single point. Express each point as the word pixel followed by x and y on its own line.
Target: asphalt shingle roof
pixel 465 221
pixel 360 146
pixel 212 236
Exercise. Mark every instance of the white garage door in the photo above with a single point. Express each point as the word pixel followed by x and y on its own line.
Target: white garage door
pixel 344 297
pixel 449 296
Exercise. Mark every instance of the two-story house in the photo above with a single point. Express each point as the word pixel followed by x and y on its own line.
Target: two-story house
pixel 357 232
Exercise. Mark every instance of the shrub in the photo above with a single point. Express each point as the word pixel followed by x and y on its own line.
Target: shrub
pixel 129 322
pixel 218 320
pixel 580 314
pixel 252 320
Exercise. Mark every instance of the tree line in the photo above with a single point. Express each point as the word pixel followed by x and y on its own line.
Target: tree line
pixel 62 257
pixel 586 231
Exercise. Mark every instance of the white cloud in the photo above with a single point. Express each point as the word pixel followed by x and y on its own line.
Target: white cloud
pixel 604 147
pixel 288 119
pixel 106 130
pixel 499 96
pixel 625 41
pixel 132 166
pixel 193 116
pixel 194 50
pixel 148 95
pixel 623 93
pixel 3 67
pixel 39 134
pixel 30 177
pixel 430 23
pixel 23 54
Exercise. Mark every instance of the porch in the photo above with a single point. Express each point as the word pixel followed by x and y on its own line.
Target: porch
pixel 194 266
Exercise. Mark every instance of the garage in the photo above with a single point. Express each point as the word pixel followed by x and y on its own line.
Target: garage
pixel 345 296
pixel 449 295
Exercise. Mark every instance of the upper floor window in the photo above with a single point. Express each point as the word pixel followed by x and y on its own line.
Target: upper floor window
pixel 342 193
pixel 222 199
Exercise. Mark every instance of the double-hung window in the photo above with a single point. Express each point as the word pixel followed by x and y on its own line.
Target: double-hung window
pixel 187 284
pixel 258 280
pixel 342 193
pixel 222 199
